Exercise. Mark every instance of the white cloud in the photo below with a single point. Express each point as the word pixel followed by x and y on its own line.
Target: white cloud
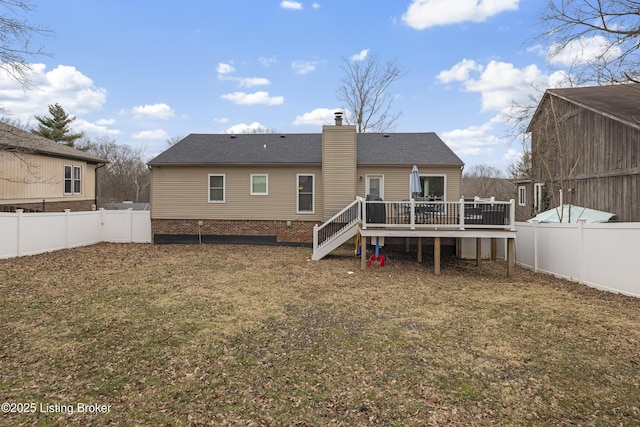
pixel 153 111
pixel 268 62
pixel 105 122
pixel 287 4
pixel 475 140
pixel 423 14
pixel 241 128
pixel 315 5
pixel 97 128
pixel 303 67
pixel 151 134
pixel 317 117
pixel 256 98
pixel 582 51
pixel 459 72
pixel 253 81
pixel 221 120
pixel 360 56
pixel 65 85
pixel 500 84
pixel 223 68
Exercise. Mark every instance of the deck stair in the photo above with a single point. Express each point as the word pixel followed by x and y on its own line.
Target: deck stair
pixel 337 230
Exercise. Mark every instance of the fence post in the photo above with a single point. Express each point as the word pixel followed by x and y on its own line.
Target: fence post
pixel 581 222
pixel 18 240
pixel 102 226
pixel 512 214
pixel 535 245
pixel 66 228
pixel 130 212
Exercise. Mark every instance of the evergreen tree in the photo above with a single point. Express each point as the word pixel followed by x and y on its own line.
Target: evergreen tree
pixel 56 127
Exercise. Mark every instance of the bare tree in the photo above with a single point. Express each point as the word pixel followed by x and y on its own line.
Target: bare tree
pixel 364 92
pixel 615 27
pixel 16 40
pixel 125 177
pixel 487 181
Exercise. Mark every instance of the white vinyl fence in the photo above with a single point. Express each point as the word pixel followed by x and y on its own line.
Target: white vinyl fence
pixel 34 233
pixel 604 256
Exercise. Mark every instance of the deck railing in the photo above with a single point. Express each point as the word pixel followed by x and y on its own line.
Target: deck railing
pixel 438 214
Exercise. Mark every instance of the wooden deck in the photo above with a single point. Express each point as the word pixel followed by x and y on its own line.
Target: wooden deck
pixel 420 219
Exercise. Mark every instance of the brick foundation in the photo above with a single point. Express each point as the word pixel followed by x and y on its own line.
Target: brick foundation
pixel 299 232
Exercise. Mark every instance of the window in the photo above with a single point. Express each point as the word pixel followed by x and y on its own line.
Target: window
pixel 522 195
pixel 305 193
pixel 538 194
pixel 68 179
pixel 72 179
pixel 77 174
pixel 259 185
pixel 216 188
pixel 433 187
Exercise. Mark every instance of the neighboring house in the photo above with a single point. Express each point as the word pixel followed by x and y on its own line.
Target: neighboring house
pixel 586 142
pixel 37 174
pixel 275 188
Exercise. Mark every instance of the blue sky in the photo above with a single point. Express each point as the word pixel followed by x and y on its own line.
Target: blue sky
pixel 142 71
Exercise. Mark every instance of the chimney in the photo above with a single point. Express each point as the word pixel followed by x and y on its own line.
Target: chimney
pixel 338 115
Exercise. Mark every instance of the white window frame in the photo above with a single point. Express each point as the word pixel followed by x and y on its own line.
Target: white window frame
pixel 76 180
pixel 224 188
pixel 537 195
pixel 522 195
pixel 66 180
pixel 257 193
pixel 436 175
pixel 313 193
pixel 367 189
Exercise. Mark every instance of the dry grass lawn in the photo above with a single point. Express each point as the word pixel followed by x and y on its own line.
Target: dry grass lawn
pixel 254 335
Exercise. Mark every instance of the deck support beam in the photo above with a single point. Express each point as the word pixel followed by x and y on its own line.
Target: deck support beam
pixel 436 256
pixel 478 251
pixel 511 251
pixel 419 249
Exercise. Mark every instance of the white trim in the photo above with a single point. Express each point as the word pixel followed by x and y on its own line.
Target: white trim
pixel 522 195
pixel 537 196
pixel 224 188
pixel 253 193
pixel 64 180
pixel 74 180
pixel 313 193
pixel 367 188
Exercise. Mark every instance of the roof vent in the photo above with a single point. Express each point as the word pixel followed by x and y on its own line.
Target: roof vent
pixel 386 135
pixel 338 115
pixel 232 136
pixel 283 136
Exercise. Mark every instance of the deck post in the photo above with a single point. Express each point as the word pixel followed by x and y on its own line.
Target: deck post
pixel 494 249
pixel 511 249
pixel 413 214
pixel 461 218
pixel 478 251
pixel 419 249
pixel 436 256
pixel 363 253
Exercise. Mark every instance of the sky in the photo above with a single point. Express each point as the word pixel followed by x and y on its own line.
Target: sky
pixel 142 72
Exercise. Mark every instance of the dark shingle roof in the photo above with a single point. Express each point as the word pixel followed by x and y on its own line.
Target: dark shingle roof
pixel 18 139
pixel 373 148
pixel 620 102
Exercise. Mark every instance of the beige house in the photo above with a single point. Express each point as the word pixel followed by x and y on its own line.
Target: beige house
pixel 274 188
pixel 37 174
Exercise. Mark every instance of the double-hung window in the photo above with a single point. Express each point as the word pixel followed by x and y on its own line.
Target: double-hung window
pixel 306 190
pixel 259 184
pixel 216 188
pixel 72 179
pixel 522 195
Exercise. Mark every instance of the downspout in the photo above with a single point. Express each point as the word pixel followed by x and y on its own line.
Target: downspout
pixel 95 184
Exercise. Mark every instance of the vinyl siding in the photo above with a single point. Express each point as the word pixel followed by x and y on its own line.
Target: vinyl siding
pixel 338 167
pixel 32 178
pixel 396 180
pixel 181 192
